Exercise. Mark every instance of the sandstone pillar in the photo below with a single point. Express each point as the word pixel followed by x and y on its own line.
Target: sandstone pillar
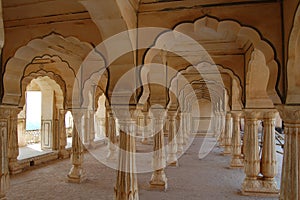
pixel 158 179
pixel 185 128
pixel 252 161
pixel 4 172
pixel 13 148
pixel 85 128
pixel 222 130
pixel 126 186
pixel 228 134
pixel 290 178
pixel 172 144
pixel 112 138
pixel 268 160
pixel 62 135
pixel 76 174
pixel 145 136
pixel 91 128
pixel 179 136
pixel 236 141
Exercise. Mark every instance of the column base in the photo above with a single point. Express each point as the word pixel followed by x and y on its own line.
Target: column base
pixel 179 149
pixel 91 145
pixel 173 163
pixel 227 150
pixel 111 155
pixel 14 167
pixel 159 180
pixel 62 154
pixel 76 175
pixel 130 195
pixel 172 160
pixel 145 141
pixel 236 163
pixel 260 187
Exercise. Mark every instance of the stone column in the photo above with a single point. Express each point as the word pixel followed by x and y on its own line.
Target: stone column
pixel 290 177
pixel 252 161
pixel 91 129
pixel 268 160
pixel 228 134
pixel 63 153
pixel 85 128
pixel 222 130
pixel 4 172
pixel 179 136
pixel 13 148
pixel 126 185
pixel 76 174
pixel 172 144
pixel 145 136
pixel 158 179
pixel 236 160
pixel 185 129
pixel 216 123
pixel 189 125
pixel 112 138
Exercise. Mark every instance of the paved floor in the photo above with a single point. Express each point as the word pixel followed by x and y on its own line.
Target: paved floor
pixel 209 179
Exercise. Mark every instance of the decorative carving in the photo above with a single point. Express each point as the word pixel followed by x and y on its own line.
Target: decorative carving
pixel 289 114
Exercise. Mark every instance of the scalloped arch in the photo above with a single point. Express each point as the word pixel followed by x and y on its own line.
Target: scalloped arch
pixel 68 49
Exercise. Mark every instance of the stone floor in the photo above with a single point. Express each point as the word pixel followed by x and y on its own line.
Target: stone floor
pixel 209 178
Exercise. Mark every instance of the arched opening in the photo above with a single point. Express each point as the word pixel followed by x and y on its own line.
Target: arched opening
pixel 40 134
pixel 69 128
pixel 100 119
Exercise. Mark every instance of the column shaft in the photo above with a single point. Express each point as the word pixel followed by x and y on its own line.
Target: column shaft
pixel 236 142
pixel 228 134
pixel 145 136
pixel 126 185
pixel 112 138
pixel 172 144
pixel 158 179
pixel 76 174
pixel 4 170
pixel 91 129
pixel 252 160
pixel 290 177
pixel 180 133
pixel 63 153
pixel 13 148
pixel 268 160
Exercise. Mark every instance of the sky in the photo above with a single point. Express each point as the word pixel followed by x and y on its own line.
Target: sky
pixel 33 110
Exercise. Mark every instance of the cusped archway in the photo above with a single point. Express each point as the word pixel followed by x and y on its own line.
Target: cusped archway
pixel 53 53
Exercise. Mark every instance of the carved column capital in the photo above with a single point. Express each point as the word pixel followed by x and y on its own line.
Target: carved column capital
pixel 289 114
pixel 236 114
pixel 252 114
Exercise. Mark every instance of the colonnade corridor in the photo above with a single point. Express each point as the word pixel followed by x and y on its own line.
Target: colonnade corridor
pixel 194 179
